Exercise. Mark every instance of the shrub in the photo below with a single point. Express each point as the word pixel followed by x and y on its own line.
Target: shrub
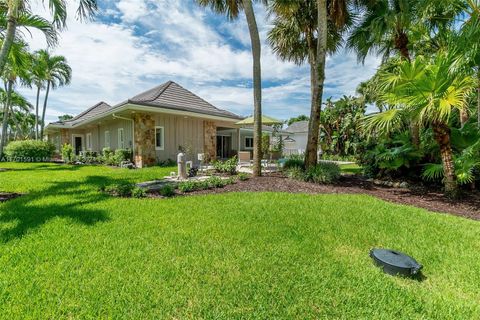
pixel 89 157
pixel 138 192
pixel 265 145
pixel 296 173
pixel 167 191
pixel 326 172
pixel 242 176
pixel 30 151
pixel 212 182
pixel 122 155
pixel 122 189
pixel 293 163
pixel 67 153
pixel 188 186
pixel 108 157
pixel 166 163
pixel 229 166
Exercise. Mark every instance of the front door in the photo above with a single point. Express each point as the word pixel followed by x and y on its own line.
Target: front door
pixel 77 145
pixel 224 147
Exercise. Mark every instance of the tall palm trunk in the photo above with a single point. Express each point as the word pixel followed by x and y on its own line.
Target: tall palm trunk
pixel 401 44
pixel 42 125
pixel 9 33
pixel 6 108
pixel 257 86
pixel 16 123
pixel 441 133
pixel 36 112
pixel 478 99
pixel 318 76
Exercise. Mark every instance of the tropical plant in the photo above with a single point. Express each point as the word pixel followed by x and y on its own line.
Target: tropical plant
pixel 340 123
pixel 68 155
pixel 425 89
pixel 232 9
pixel 16 14
pixel 307 31
pixel 384 26
pixel 56 72
pixel 18 63
pixel 323 172
pixel 297 119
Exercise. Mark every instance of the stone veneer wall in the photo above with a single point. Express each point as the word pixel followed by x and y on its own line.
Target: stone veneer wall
pixel 144 137
pixel 210 140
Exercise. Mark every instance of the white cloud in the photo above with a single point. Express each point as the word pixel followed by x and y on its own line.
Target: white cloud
pixel 155 41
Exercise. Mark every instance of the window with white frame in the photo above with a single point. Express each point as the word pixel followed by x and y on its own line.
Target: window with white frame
pixel 107 139
pixel 248 142
pixel 159 138
pixel 121 139
pixel 89 141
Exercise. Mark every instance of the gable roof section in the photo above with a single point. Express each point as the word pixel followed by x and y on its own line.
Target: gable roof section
pixel 91 112
pixel 297 127
pixel 171 95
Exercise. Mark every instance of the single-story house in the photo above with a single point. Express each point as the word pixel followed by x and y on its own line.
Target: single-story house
pixel 296 141
pixel 155 124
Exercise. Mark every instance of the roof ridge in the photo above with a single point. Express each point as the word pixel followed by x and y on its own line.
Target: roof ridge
pixel 87 111
pixel 165 87
pixel 218 109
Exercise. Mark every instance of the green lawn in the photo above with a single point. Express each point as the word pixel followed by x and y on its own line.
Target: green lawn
pixel 67 251
pixel 351 168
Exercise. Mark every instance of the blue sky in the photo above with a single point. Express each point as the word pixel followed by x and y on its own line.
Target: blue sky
pixel 134 45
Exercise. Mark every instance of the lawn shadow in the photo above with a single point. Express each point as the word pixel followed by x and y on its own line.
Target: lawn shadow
pixel 25 215
pixel 45 167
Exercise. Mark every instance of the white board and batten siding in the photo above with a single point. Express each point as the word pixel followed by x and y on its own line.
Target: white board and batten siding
pixel 179 131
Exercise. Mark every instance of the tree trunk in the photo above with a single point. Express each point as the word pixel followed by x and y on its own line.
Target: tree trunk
pixel 318 74
pixel 478 99
pixel 36 112
pixel 441 133
pixel 9 34
pixel 401 44
pixel 6 108
pixel 42 125
pixel 257 87
pixel 17 124
pixel 415 131
pixel 463 117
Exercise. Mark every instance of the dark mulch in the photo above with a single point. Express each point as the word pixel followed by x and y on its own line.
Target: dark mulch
pixel 433 200
pixel 8 196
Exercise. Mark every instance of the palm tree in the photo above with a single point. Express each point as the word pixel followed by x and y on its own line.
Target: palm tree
pixel 18 64
pixel 232 9
pixel 57 74
pixel 307 31
pixel 38 78
pixel 425 89
pixel 384 27
pixel 16 14
pixel 19 112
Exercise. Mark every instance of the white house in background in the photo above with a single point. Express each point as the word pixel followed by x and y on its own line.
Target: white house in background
pixel 296 142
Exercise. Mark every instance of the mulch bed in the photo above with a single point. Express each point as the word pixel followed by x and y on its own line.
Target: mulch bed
pixel 433 200
pixel 8 196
